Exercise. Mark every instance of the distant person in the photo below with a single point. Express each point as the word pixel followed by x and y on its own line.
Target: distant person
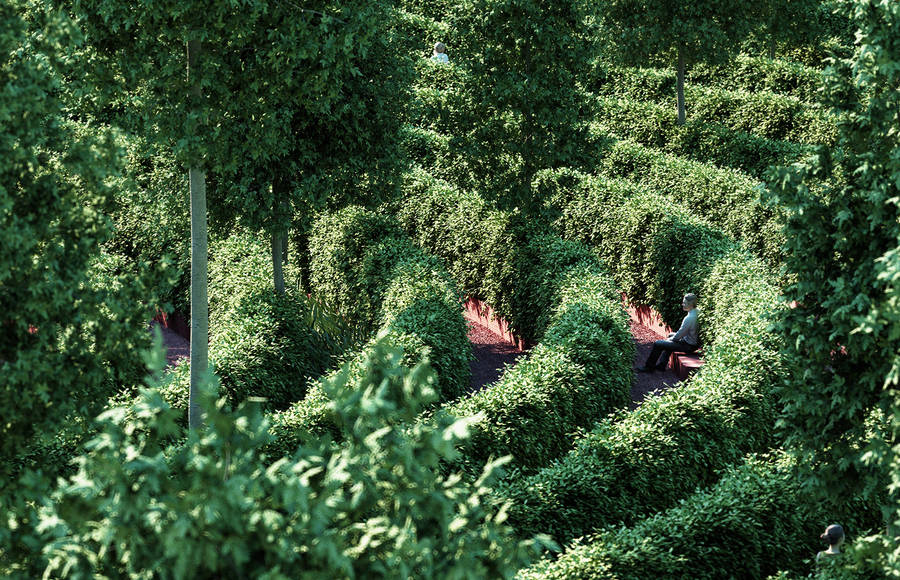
pixel 834 535
pixel 684 340
pixel 440 53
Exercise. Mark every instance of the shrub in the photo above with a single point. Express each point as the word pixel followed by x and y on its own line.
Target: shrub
pixel 212 508
pixel 761 113
pixel 580 371
pixel 654 126
pixel 479 244
pixel 550 290
pixel 647 460
pixel 726 198
pixel 419 311
pixel 755 521
pixel 755 73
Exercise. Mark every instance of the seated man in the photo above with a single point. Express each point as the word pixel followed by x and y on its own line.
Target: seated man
pixel 685 340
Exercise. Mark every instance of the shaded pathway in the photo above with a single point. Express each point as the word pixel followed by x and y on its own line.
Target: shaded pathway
pixel 646 383
pixel 177 347
pixel 491 354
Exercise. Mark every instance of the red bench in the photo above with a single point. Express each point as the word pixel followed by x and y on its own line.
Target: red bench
pixel 683 364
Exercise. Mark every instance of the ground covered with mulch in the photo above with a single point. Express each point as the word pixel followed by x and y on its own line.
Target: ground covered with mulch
pixel 646 383
pixel 492 356
pixel 177 347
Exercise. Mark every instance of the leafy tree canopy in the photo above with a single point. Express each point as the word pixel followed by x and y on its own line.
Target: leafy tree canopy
pixel 842 401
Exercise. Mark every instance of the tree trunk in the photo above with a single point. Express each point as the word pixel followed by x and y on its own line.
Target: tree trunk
pixel 277 256
pixel 772 45
pixel 199 301
pixel 279 234
pixel 680 83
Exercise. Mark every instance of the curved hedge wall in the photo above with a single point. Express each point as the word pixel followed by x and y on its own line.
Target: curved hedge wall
pixel 656 126
pixel 754 522
pixel 363 263
pixel 647 460
pixel 743 73
pixel 727 198
pixel 759 112
pixel 550 290
pixel 260 344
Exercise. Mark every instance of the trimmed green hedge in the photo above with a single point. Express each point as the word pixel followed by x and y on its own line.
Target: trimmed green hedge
pixel 755 521
pixel 363 262
pixel 762 113
pixel 744 73
pixel 260 344
pixel 656 126
pixel 727 199
pixel 579 373
pixel 757 73
pixel 647 460
pixel 550 290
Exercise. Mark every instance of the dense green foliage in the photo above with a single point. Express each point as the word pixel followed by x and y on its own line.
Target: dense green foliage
pixel 841 398
pixel 752 523
pixel 210 508
pixel 261 344
pixel 555 292
pixel 649 459
pixel 763 113
pixel 651 125
pixel 726 198
pixel 70 328
pixel 755 74
pixel 394 290
pixel 523 59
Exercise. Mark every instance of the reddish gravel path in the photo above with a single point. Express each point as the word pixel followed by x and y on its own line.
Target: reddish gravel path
pixel 646 383
pixel 491 352
pixel 492 355
pixel 177 347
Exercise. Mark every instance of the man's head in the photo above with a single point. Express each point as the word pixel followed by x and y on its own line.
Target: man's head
pixel 834 534
pixel 689 302
pixel 440 47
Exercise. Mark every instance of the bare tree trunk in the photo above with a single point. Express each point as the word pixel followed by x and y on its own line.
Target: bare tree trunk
pixel 772 45
pixel 277 256
pixel 199 300
pixel 680 83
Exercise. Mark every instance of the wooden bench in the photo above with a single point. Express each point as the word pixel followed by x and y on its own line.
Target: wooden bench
pixel 682 364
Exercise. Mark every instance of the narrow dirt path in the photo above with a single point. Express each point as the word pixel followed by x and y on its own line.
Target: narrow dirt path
pixel 177 347
pixel 491 352
pixel 492 355
pixel 646 383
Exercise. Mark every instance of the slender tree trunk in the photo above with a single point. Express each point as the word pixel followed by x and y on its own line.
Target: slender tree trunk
pixel 680 83
pixel 279 235
pixel 199 301
pixel 771 45
pixel 277 256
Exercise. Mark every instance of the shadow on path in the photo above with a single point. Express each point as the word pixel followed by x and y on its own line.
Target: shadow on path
pixel 646 383
pixel 491 354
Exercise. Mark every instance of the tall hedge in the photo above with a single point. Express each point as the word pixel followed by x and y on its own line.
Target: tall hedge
pixel 758 112
pixel 647 460
pixel 550 290
pixel 261 344
pixel 365 265
pixel 729 199
pixel 754 522
pixel 652 125
pixel 756 73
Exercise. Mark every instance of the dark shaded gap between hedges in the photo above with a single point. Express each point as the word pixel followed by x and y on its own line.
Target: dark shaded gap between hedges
pixel 492 355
